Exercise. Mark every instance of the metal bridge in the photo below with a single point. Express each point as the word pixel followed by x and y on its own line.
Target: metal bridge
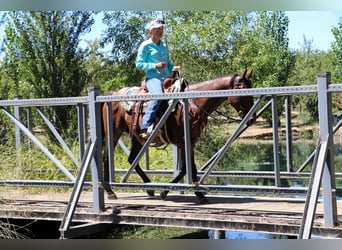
pixel 298 211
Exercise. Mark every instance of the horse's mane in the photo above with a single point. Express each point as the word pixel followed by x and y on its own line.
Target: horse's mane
pixel 211 84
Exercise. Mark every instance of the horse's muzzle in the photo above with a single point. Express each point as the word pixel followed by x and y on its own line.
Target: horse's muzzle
pixel 251 120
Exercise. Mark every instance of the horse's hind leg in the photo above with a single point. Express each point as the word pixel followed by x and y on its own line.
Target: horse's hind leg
pixel 134 152
pixel 200 195
pixel 177 179
pixel 110 193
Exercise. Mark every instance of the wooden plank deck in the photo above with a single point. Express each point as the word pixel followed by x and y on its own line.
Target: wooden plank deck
pixel 254 214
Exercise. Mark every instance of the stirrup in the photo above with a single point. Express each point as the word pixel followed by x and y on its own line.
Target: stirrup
pixel 146 132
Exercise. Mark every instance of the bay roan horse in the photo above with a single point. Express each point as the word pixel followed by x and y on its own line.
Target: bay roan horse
pixel 173 129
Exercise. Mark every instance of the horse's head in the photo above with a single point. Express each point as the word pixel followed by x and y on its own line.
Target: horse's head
pixel 242 104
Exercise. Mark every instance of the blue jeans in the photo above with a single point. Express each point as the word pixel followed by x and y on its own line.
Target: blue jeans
pixel 154 86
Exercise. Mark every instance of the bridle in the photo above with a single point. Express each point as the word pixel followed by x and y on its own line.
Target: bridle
pixel 236 81
pixel 233 81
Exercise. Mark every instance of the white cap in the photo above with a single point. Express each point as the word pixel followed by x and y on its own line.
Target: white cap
pixel 156 24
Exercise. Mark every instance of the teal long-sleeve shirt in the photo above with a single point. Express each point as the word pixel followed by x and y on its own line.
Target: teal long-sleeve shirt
pixel 149 54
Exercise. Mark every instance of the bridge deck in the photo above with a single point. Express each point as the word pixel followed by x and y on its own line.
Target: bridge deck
pixel 257 214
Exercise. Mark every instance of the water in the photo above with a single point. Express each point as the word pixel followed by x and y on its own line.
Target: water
pixel 239 235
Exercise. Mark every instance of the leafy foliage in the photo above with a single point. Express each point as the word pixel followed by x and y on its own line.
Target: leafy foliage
pixel 125 31
pixel 337 61
pixel 208 44
pixel 43 58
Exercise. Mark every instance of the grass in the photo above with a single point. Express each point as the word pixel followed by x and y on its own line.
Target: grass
pixel 10 231
pixel 129 232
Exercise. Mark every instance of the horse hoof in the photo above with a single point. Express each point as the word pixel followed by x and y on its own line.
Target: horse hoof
pixel 150 192
pixel 163 195
pixel 204 201
pixel 112 196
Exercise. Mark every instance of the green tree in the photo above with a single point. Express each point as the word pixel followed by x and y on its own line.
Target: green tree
pixel 337 49
pixel 125 31
pixel 337 61
pixel 205 44
pixel 272 59
pixel 101 70
pixel 43 57
pixel 310 62
pixel 208 44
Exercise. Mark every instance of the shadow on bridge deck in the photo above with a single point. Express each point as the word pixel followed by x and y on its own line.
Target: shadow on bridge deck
pixel 272 215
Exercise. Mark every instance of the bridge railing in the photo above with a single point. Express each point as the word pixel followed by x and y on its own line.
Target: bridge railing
pixel 89 126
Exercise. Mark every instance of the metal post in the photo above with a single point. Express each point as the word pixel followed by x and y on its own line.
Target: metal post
pixel 29 122
pixel 275 141
pixel 77 189
pixel 29 118
pixel 96 132
pixel 110 143
pixel 17 114
pixel 325 127
pixel 313 191
pixel 323 172
pixel 85 122
pixel 187 141
pixel 147 159
pixel 289 160
pixel 177 159
pixel 81 135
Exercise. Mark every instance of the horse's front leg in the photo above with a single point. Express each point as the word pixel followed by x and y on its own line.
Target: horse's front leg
pixel 133 154
pixel 182 173
pixel 177 179
pixel 200 195
pixel 110 193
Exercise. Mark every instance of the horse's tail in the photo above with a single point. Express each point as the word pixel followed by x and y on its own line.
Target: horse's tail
pixel 102 123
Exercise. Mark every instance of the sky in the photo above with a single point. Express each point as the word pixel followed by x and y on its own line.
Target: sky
pixel 314 25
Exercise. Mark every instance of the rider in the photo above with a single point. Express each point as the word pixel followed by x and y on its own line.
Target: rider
pixel 153 57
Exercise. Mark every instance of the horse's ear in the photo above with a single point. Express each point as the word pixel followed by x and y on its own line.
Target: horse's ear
pixel 243 74
pixel 249 74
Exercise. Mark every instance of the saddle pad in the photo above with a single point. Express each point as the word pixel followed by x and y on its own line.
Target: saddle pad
pixel 127 105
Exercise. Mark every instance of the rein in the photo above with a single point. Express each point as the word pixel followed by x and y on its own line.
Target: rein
pixel 227 117
pixel 231 85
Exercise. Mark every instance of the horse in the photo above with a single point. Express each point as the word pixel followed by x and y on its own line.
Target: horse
pixel 172 131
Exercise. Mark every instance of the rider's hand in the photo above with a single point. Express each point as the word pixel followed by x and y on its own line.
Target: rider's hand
pixel 176 68
pixel 160 65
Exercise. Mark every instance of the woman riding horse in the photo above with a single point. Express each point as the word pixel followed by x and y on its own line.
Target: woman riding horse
pixel 153 57
pixel 173 132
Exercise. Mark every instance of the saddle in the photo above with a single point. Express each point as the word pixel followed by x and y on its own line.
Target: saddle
pixel 168 85
pixel 137 109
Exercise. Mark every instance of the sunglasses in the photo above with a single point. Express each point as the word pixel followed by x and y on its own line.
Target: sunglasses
pixel 159 22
